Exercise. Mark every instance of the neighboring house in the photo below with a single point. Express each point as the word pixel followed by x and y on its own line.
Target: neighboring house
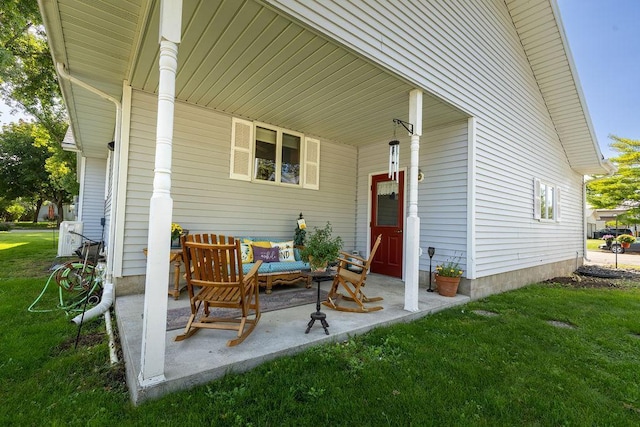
pixel 89 206
pixel 591 222
pixel 49 212
pixel 285 106
pixel 597 219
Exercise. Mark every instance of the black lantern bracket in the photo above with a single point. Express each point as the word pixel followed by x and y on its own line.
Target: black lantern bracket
pixel 408 126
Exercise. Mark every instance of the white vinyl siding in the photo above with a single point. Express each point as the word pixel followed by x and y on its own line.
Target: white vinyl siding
pixel 469 54
pixel 442 195
pixel 205 199
pixel 92 197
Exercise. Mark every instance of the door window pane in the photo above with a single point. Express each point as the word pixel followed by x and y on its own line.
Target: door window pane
pixel 387 206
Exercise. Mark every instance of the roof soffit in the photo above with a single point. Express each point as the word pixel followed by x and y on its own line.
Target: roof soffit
pixel 542 36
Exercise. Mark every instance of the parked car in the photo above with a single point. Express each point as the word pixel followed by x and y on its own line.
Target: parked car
pixel 617 248
pixel 613 231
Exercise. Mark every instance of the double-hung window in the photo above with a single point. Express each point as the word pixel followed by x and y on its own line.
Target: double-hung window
pixel 546 201
pixel 265 153
pixel 277 155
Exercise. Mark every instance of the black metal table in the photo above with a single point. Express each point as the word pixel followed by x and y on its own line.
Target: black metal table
pixel 319 276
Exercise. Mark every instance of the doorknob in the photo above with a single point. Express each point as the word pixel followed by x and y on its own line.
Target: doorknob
pixel 399 231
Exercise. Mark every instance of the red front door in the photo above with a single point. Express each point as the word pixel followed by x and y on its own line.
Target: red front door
pixel 387 218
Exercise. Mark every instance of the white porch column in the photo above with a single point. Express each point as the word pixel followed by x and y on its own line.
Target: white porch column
pixel 154 323
pixel 412 236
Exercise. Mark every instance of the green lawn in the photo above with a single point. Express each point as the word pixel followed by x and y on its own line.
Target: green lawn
pixel 592 244
pixel 457 367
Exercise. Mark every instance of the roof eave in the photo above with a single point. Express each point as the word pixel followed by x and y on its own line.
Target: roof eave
pixel 603 165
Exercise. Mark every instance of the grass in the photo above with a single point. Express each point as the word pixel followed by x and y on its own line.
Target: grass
pixel 592 244
pixel 40 225
pixel 457 367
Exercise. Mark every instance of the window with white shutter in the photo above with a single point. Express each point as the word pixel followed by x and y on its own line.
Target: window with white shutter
pixel 241 149
pixel 268 154
pixel 311 164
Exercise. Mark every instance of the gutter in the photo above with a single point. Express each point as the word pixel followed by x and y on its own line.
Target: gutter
pixel 65 75
pixel 107 292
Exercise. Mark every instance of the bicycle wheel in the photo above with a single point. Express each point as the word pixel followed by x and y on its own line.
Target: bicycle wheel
pixel 75 276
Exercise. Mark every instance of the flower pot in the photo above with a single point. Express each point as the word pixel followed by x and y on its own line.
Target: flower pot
pixel 321 267
pixel 175 242
pixel 447 286
pixel 626 245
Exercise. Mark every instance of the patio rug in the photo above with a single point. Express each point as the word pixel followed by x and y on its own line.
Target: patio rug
pixel 177 318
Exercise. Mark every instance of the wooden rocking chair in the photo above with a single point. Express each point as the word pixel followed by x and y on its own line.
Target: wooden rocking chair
pixel 353 282
pixel 215 267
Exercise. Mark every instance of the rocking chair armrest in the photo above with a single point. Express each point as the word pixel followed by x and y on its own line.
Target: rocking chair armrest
pixel 347 256
pixel 253 271
pixel 345 261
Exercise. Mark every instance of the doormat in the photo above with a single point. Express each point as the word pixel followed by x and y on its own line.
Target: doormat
pixel 177 318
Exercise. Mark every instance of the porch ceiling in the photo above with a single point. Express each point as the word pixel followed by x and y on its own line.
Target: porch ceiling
pixel 241 58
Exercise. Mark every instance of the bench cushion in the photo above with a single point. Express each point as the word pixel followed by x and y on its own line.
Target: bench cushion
pixel 277 267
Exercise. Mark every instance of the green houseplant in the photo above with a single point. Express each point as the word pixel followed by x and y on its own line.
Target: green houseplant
pixel 321 248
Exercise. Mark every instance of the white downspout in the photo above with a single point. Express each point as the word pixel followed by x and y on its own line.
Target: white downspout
pixel 107 293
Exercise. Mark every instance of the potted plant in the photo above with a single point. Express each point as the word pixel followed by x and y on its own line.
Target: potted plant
pixel 626 240
pixel 448 278
pixel 608 239
pixel 176 232
pixel 321 248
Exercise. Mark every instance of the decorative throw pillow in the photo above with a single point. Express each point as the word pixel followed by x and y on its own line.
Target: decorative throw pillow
pixel 247 249
pixel 266 254
pixel 262 244
pixel 247 253
pixel 286 250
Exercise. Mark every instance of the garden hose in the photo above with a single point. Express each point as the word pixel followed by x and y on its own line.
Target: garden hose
pixel 74 278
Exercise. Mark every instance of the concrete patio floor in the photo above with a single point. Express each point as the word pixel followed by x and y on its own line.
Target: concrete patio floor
pixel 205 357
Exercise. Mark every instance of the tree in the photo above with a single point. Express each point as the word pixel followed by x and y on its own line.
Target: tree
pixel 27 75
pixel 22 164
pixel 28 82
pixel 623 188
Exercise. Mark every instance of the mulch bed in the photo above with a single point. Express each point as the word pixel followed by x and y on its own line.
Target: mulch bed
pixel 596 276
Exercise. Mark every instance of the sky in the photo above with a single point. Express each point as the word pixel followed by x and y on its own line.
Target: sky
pixel 605 44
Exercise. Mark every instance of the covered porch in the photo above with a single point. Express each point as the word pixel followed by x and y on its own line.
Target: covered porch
pixel 205 356
pixel 225 61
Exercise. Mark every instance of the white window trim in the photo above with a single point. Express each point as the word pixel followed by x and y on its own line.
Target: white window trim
pixel 304 180
pixel 279 132
pixel 538 186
